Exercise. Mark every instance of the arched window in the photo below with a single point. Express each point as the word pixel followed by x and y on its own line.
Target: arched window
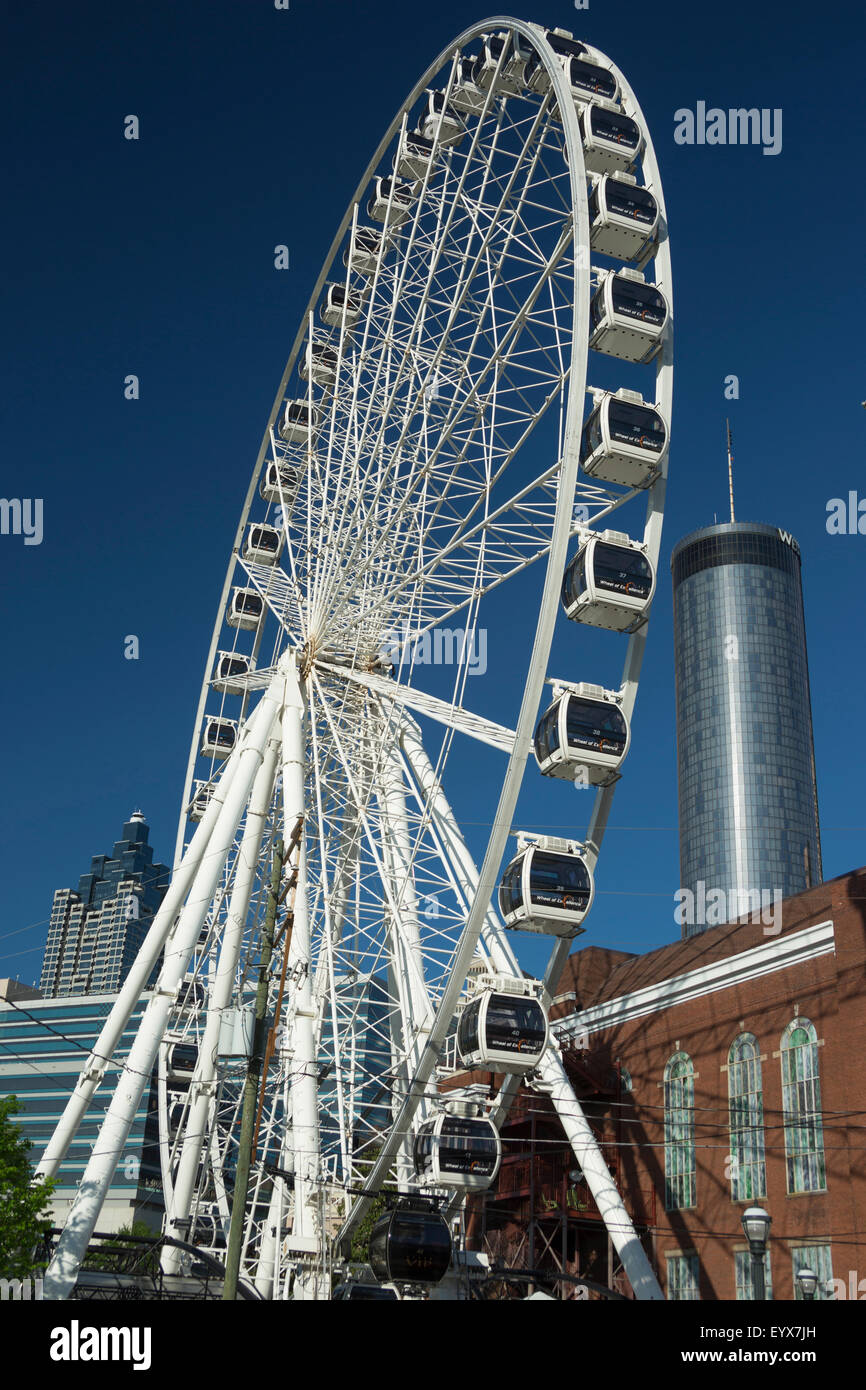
pixel 746 1118
pixel 680 1173
pixel 801 1106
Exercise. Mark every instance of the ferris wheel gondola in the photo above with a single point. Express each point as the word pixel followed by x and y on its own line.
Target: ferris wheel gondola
pixel 511 69
pixel 584 732
pixel 442 123
pixel 612 141
pixel 503 1027
pixel 299 422
pixel 341 304
pixel 457 1148
pixel 627 316
pixel 414 157
pixel 410 1244
pixel 624 440
pixel 547 888
pixel 262 545
pixel 365 251
pixel 391 201
pixel 609 583
pixel 623 217
pixel 279 481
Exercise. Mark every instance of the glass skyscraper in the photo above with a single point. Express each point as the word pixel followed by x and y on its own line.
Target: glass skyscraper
pixel 96 930
pixel 43 1043
pixel 747 787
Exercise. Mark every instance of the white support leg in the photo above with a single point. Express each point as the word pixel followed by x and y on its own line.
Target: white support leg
pixel 81 1221
pixel 201 1089
pixel 305 1121
pixel 594 1168
pixel 134 984
pixel 578 1131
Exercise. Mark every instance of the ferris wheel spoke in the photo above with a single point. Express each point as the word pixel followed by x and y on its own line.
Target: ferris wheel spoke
pixel 457 304
pixel 473 725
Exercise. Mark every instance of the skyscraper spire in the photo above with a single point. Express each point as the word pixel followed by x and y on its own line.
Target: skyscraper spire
pixel 730 469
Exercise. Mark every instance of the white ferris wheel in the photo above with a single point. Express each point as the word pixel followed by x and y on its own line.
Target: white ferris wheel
pixel 429 446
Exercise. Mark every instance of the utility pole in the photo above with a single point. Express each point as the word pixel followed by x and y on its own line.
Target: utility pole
pixel 251 1085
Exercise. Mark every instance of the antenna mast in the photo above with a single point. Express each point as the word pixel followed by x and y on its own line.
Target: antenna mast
pixel 730 468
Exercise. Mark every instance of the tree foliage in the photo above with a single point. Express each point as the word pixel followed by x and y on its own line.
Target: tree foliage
pixel 25 1216
pixel 379 1204
pixel 118 1254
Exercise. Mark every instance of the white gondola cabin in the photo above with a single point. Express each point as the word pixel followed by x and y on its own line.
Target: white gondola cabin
pixel 180 1063
pixel 245 610
pixel 465 95
pixel 588 79
pixel 623 217
pixel 583 734
pixel 392 201
pixel 411 1244
pixel 503 1027
pixel 512 78
pixel 547 888
pixel 339 301
pixel 262 545
pixel 623 441
pixel 414 156
pixel 319 364
pixel 298 422
pixel 279 482
pixel 457 1149
pixel 565 46
pixel 201 796
pixel 441 122
pixel 219 737
pixel 363 254
pixel 230 670
pixel 609 583
pixel 612 141
pixel 627 317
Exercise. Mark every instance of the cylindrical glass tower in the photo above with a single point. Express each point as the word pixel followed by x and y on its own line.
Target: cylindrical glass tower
pixel 747 787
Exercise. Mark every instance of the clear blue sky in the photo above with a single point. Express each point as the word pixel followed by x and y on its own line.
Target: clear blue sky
pixel 156 258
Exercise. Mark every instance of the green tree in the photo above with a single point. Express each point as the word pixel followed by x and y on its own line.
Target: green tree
pixel 379 1204
pixel 24 1204
pixel 110 1254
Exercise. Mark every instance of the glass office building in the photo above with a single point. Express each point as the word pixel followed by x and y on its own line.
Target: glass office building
pixel 43 1044
pixel 747 788
pixel 95 931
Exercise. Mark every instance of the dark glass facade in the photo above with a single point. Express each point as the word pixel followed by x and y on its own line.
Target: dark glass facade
pixel 747 787
pixel 43 1043
pixel 96 931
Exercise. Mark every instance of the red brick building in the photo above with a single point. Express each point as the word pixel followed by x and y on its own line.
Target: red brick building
pixel 720 1072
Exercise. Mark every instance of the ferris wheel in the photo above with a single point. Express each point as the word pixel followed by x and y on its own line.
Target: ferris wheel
pixel 428 454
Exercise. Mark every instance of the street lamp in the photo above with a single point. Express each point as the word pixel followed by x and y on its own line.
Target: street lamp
pixel 808 1281
pixel 756 1224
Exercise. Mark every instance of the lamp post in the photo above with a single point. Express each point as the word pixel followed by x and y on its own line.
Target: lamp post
pixel 808 1281
pixel 756 1224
